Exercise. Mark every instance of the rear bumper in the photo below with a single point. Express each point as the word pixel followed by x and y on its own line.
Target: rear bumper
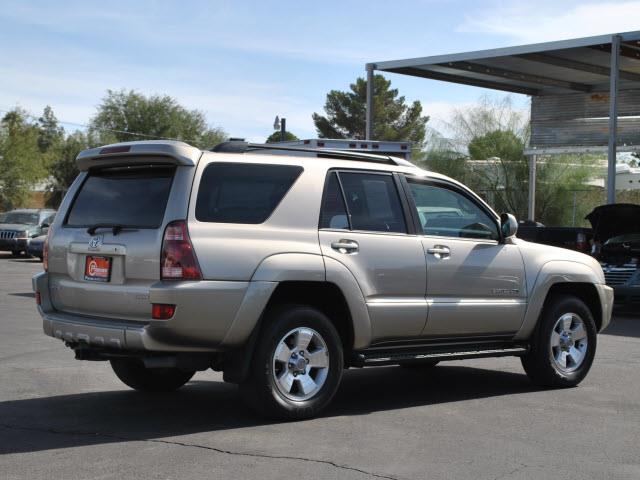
pixel 210 316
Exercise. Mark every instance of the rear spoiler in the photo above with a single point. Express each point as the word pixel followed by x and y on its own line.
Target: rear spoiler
pixel 128 153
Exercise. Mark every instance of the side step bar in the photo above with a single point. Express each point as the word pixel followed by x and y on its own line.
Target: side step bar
pixel 375 358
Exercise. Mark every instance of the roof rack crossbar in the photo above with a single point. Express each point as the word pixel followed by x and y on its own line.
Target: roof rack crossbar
pixel 242 147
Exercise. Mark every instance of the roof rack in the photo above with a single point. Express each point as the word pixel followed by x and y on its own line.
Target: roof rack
pixel 235 146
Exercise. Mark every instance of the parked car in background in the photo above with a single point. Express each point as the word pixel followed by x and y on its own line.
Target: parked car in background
pixel 573 238
pixel 36 246
pixel 19 227
pixel 616 230
pixel 282 270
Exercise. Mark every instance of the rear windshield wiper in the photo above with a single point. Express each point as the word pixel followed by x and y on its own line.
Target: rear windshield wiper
pixel 115 228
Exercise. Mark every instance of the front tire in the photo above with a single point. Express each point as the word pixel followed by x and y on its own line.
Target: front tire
pixel 297 365
pixel 564 346
pixel 16 253
pixel 134 374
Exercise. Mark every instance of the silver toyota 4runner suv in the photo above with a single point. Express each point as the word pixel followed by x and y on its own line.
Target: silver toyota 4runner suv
pixel 282 268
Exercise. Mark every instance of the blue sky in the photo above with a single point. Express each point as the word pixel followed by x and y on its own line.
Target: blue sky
pixel 243 63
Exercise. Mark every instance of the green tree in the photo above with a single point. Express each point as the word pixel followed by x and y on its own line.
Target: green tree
pixel 393 119
pixel 504 172
pixel 501 171
pixel 123 114
pixel 63 170
pixel 495 134
pixel 22 164
pixel 51 134
pixel 443 157
pixel 277 137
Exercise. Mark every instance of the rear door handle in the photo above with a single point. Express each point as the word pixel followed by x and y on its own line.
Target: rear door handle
pixel 439 251
pixel 345 246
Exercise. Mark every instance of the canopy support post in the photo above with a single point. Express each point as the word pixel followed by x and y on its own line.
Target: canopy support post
pixel 613 119
pixel 532 188
pixel 369 115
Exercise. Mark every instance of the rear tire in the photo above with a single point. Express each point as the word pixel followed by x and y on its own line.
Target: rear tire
pixel 564 345
pixel 16 253
pixel 284 383
pixel 134 374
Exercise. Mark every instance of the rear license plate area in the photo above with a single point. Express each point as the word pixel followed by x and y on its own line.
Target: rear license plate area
pixel 97 269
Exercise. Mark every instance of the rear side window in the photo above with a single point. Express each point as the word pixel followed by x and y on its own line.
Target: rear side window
pixel 373 203
pixel 333 213
pixel 127 196
pixel 242 193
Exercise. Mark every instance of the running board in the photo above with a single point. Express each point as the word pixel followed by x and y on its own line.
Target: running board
pixel 375 358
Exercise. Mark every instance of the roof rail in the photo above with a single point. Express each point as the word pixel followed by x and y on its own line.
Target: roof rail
pixel 235 146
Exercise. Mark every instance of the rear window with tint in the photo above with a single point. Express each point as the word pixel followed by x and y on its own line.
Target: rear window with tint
pixel 242 193
pixel 128 196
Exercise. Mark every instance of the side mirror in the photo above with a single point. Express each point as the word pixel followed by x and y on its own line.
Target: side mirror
pixel 508 224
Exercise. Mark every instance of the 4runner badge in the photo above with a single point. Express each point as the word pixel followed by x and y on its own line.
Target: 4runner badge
pixel 505 291
pixel 95 242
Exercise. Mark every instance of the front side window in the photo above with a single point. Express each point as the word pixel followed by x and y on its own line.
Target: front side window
pixel 372 202
pixel 443 212
pixel 242 193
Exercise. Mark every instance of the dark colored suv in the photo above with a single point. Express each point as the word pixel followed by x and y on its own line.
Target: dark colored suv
pixel 18 227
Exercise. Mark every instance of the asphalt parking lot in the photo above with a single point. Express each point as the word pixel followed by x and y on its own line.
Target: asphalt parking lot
pixel 482 419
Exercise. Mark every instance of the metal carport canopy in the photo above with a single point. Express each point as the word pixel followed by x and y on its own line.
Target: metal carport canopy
pixel 572 74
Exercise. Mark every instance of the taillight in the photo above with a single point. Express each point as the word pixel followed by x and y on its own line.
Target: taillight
pixel 162 311
pixel 581 242
pixel 45 250
pixel 178 260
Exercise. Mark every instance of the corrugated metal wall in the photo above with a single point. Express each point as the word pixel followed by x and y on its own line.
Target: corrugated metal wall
pixel 582 119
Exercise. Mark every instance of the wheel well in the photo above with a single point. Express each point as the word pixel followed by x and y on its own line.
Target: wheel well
pixel 584 291
pixel 326 297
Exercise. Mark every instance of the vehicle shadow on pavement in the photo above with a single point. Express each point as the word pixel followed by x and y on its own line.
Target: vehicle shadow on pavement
pixel 38 424
pixel 624 325
pixel 22 258
pixel 23 294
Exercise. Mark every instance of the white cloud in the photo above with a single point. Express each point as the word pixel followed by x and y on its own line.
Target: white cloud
pixel 541 21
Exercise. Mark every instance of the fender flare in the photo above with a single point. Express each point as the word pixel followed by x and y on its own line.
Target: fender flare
pixel 244 330
pixel 342 277
pixel 271 271
pixel 550 274
pixel 319 268
pixel 290 267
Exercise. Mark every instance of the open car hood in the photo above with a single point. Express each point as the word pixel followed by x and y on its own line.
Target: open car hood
pixel 614 219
